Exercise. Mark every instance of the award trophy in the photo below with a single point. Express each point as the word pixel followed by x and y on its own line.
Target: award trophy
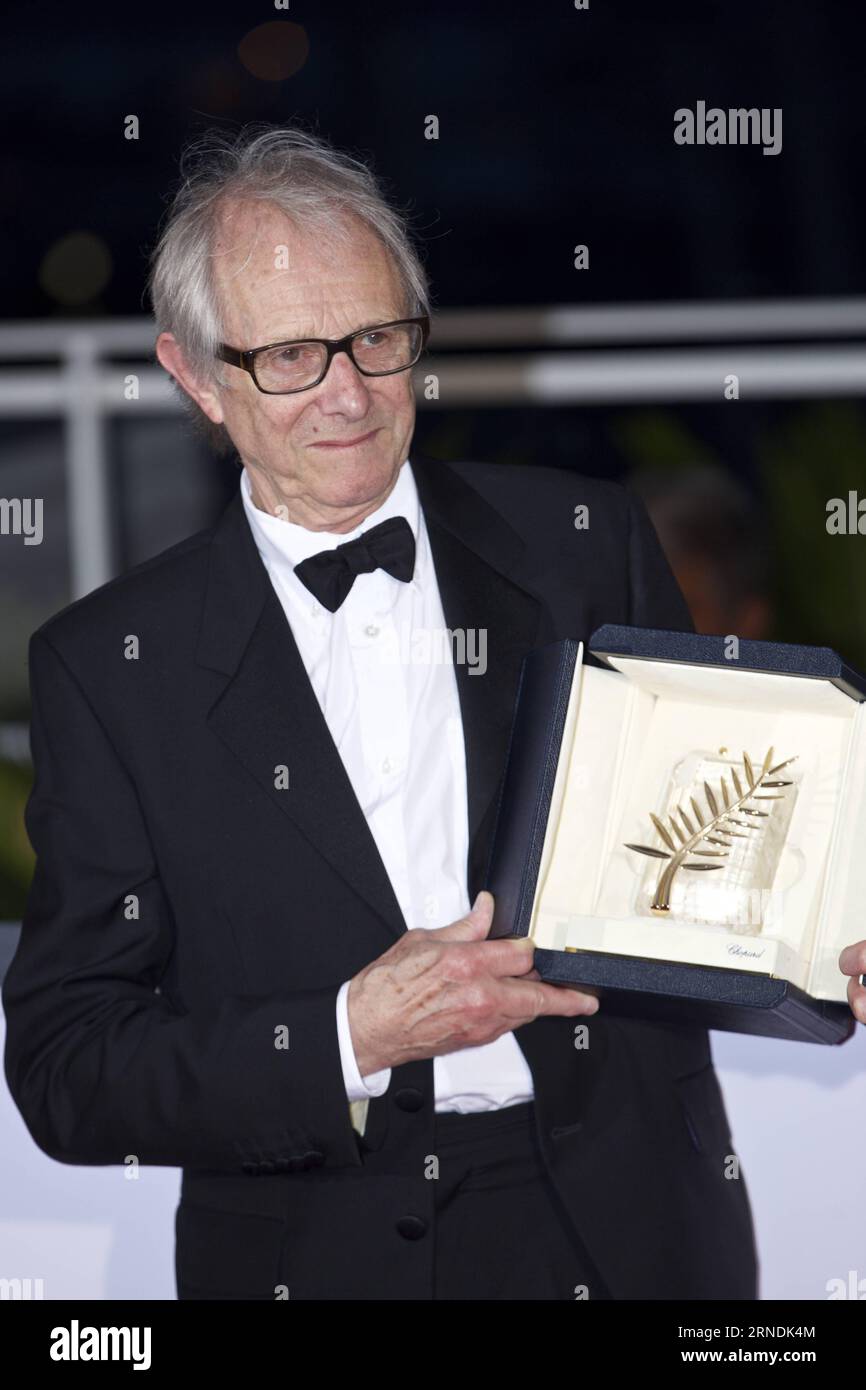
pixel 655 863
pixel 722 819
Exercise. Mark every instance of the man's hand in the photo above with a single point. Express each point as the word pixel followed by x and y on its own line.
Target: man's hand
pixel 437 991
pixel 852 962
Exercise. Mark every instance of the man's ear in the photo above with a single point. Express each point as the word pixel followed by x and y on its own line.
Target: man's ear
pixel 171 355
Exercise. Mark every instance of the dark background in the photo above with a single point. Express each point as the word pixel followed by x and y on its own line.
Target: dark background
pixel 556 127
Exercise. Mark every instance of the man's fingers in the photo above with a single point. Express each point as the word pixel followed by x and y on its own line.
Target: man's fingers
pixel 501 958
pixel 857 999
pixel 531 999
pixel 852 961
pixel 509 956
pixel 573 1003
pixel 474 926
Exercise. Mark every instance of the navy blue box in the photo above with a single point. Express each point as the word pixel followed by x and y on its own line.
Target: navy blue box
pixel 672 990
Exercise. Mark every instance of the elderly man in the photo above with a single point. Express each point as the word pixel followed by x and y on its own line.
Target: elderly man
pixel 255 946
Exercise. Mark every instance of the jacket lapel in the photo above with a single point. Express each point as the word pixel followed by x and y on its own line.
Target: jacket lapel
pixel 474 551
pixel 268 715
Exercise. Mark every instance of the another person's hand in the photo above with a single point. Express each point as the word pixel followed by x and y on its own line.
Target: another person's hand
pixel 852 962
pixel 436 991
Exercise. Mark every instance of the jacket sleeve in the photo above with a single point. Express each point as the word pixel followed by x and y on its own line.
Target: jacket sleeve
pixel 655 598
pixel 105 1068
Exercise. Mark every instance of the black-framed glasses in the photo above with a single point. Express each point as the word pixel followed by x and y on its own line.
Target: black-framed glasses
pixel 279 369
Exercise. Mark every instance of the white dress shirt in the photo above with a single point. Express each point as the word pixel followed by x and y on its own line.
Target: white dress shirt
pixel 394 716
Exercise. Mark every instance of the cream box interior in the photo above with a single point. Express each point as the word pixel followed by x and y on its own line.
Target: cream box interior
pixel 625 730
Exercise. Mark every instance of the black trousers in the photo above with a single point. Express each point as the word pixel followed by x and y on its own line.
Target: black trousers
pixel 501 1231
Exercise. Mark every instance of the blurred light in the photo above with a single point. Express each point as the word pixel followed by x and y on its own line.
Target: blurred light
pixel 274 51
pixel 76 268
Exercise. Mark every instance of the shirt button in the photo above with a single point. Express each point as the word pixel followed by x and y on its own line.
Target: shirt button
pixel 387 765
pixel 412 1227
pixel 371 630
pixel 409 1098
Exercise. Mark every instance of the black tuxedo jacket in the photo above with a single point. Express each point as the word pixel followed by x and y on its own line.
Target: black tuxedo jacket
pixel 189 922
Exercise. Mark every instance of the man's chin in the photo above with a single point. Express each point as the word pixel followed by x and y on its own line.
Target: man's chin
pixel 347 477
pixel 366 468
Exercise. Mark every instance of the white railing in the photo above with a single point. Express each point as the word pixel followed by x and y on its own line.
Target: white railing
pixel 620 354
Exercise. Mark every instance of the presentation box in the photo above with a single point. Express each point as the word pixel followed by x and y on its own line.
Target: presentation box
pixel 682 828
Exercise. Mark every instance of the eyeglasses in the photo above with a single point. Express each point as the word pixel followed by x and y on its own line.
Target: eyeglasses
pixel 279 369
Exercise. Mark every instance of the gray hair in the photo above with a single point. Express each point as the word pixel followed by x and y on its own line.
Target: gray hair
pixel 317 186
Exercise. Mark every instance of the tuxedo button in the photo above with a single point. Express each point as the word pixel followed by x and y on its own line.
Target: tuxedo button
pixel 314 1159
pixel 249 1168
pixel 284 1165
pixel 409 1098
pixel 267 1166
pixel 412 1227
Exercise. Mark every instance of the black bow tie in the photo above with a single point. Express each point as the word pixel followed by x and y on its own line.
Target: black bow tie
pixel 330 574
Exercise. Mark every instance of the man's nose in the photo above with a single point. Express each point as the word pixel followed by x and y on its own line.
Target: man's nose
pixel 343 385
pixel 342 369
